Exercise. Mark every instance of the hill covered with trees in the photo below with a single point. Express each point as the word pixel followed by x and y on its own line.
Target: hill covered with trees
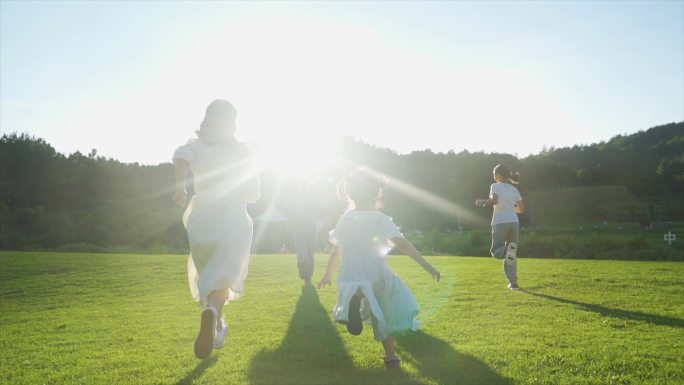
pixel 81 201
pixel 647 167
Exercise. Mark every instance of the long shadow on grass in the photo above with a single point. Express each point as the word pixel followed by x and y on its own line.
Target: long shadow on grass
pixel 312 352
pixel 198 371
pixel 436 359
pixel 617 313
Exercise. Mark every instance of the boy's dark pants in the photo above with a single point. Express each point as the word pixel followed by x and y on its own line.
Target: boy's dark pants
pixel 305 241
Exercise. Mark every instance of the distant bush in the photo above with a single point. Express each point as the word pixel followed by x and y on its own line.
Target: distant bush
pixel 80 247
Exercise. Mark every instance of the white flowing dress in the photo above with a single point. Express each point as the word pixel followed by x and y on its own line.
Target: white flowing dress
pixel 387 303
pixel 218 225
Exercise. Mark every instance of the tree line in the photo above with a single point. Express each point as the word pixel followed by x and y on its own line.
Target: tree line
pixel 50 200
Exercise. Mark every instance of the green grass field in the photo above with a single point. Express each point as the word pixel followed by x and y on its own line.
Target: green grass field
pixel 129 319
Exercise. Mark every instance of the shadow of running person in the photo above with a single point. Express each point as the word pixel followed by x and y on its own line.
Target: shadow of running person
pixel 617 313
pixel 438 360
pixel 312 352
pixel 198 371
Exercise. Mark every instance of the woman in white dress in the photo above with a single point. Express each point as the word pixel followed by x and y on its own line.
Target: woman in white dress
pixel 218 226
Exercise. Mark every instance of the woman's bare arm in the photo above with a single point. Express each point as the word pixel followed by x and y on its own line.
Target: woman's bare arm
pixel 182 170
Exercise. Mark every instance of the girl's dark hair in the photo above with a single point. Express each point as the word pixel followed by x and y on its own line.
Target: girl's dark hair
pixel 515 177
pixel 363 187
pixel 503 170
pixel 219 122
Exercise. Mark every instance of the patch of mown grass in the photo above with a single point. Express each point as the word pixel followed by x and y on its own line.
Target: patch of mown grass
pixel 124 319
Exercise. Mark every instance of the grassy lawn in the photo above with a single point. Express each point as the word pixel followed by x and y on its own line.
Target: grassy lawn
pixel 129 319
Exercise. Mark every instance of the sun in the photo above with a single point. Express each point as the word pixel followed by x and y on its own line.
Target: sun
pixel 297 156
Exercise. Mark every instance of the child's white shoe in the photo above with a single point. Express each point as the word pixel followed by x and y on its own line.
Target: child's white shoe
pixel 220 338
pixel 511 251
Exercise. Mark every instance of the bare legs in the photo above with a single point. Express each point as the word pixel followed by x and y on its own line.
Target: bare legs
pixel 209 324
pixel 391 359
pixel 388 345
pixel 217 299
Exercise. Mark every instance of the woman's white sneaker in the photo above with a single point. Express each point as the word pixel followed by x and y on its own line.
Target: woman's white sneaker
pixel 220 338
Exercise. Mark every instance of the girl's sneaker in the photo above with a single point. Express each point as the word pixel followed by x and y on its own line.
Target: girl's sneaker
pixel 513 286
pixel 392 362
pixel 204 342
pixel 220 338
pixel 354 323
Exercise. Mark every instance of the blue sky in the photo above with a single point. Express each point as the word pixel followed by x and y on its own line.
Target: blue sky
pixel 132 79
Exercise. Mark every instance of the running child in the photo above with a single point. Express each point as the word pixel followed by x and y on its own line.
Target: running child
pixel 507 203
pixel 368 289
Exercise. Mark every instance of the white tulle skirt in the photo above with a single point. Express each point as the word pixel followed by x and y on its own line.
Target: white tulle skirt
pixel 387 303
pixel 220 235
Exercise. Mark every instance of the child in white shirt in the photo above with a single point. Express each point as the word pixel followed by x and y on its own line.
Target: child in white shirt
pixel 507 203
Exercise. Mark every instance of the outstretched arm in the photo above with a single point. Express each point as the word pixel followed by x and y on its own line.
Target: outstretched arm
pixel 407 247
pixel 335 255
pixel 493 200
pixel 182 169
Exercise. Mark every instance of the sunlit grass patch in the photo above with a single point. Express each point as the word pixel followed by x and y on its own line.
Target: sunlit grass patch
pixel 124 319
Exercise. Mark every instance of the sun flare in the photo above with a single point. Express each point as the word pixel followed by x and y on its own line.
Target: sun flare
pixel 297 157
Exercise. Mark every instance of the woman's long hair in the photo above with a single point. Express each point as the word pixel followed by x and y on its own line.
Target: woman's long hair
pixel 218 125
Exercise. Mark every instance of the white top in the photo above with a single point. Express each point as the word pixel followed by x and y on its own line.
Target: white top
pixel 508 195
pixel 221 170
pixel 364 234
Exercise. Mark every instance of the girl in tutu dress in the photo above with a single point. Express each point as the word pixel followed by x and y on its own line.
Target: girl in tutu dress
pixel 218 226
pixel 368 289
